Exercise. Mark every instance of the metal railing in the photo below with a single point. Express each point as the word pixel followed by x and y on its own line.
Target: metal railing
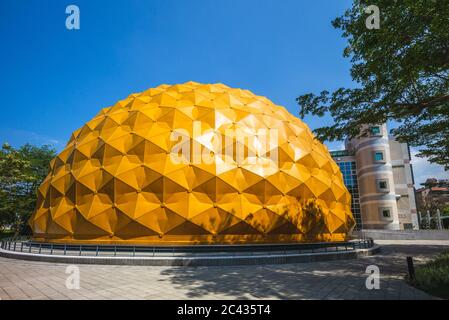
pixel 27 245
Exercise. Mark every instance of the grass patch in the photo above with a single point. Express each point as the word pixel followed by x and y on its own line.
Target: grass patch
pixel 433 277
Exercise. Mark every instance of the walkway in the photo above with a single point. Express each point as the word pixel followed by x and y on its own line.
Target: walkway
pixel 322 280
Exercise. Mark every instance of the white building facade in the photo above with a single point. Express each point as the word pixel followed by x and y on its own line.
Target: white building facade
pixel 380 180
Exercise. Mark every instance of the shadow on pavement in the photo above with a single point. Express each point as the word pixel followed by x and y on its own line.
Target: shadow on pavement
pixel 322 280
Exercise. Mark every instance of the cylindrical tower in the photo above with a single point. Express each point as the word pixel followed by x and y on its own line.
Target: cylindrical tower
pixel 375 175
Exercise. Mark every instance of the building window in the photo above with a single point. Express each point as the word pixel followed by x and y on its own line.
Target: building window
pixel 385 213
pixel 349 170
pixel 379 156
pixel 375 131
pixel 382 185
pixel 408 226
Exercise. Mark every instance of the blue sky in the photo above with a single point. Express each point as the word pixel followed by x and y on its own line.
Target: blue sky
pixel 53 80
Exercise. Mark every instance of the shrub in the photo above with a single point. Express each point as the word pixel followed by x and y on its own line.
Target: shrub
pixel 433 277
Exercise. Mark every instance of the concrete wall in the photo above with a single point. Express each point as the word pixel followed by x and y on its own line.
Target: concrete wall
pixel 405 234
pixel 404 184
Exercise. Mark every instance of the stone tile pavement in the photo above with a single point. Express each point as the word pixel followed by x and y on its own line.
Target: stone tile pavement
pixel 343 279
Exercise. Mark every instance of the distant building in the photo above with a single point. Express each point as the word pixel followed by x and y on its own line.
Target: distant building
pixel 433 195
pixel 378 173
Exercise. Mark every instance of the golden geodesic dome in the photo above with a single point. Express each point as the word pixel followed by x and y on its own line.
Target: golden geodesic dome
pixel 116 180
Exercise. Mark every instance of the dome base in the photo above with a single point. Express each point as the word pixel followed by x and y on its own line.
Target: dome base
pixel 198 255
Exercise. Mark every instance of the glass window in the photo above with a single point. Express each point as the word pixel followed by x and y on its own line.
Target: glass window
pixel 378 156
pixel 386 212
pixel 375 131
pixel 382 185
pixel 348 169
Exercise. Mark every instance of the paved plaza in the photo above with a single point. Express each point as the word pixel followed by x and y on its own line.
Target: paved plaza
pixel 343 279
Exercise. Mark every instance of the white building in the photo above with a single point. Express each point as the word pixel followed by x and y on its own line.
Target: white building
pixel 378 173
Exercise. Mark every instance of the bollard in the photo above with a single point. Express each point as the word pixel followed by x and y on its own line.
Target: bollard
pixel 411 268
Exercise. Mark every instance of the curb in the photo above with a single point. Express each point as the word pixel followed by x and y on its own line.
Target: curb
pixel 194 261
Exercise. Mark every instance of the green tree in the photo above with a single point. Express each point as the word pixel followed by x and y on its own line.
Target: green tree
pixel 22 170
pixel 445 211
pixel 401 74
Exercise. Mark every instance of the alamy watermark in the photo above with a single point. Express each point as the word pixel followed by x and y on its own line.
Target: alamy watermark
pixel 373 20
pixel 72 22
pixel 73 280
pixel 372 282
